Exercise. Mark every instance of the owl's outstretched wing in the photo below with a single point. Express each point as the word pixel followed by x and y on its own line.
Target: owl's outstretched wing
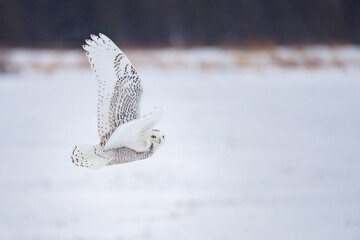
pixel 119 85
pixel 135 135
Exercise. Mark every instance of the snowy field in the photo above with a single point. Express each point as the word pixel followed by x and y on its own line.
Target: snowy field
pixel 260 146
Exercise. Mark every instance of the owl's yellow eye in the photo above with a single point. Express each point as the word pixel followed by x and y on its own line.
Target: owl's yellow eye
pixel 153 136
pixel 163 136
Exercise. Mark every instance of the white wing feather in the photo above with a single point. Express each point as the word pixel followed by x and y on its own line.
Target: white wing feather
pixel 119 84
pixel 135 134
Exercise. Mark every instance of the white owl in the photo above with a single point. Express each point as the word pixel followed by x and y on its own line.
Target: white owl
pixel 124 135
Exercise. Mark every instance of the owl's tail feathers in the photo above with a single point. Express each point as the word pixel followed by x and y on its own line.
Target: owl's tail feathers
pixel 84 155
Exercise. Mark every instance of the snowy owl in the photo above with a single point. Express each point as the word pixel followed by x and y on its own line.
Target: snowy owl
pixel 124 135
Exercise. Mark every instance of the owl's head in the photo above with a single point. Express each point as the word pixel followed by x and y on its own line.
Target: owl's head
pixel 157 138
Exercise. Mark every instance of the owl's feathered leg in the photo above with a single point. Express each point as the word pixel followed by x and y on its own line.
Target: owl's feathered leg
pixel 90 156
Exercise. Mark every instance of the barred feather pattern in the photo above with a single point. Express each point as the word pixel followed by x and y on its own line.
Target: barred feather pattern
pixel 85 155
pixel 119 84
pixel 112 157
pixel 125 155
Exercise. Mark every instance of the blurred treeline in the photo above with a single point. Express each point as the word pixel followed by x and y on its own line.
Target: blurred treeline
pixel 185 22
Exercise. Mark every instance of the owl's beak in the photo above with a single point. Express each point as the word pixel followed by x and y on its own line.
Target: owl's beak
pixel 160 141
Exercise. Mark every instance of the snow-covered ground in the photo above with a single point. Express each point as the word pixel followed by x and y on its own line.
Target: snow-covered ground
pixel 252 152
